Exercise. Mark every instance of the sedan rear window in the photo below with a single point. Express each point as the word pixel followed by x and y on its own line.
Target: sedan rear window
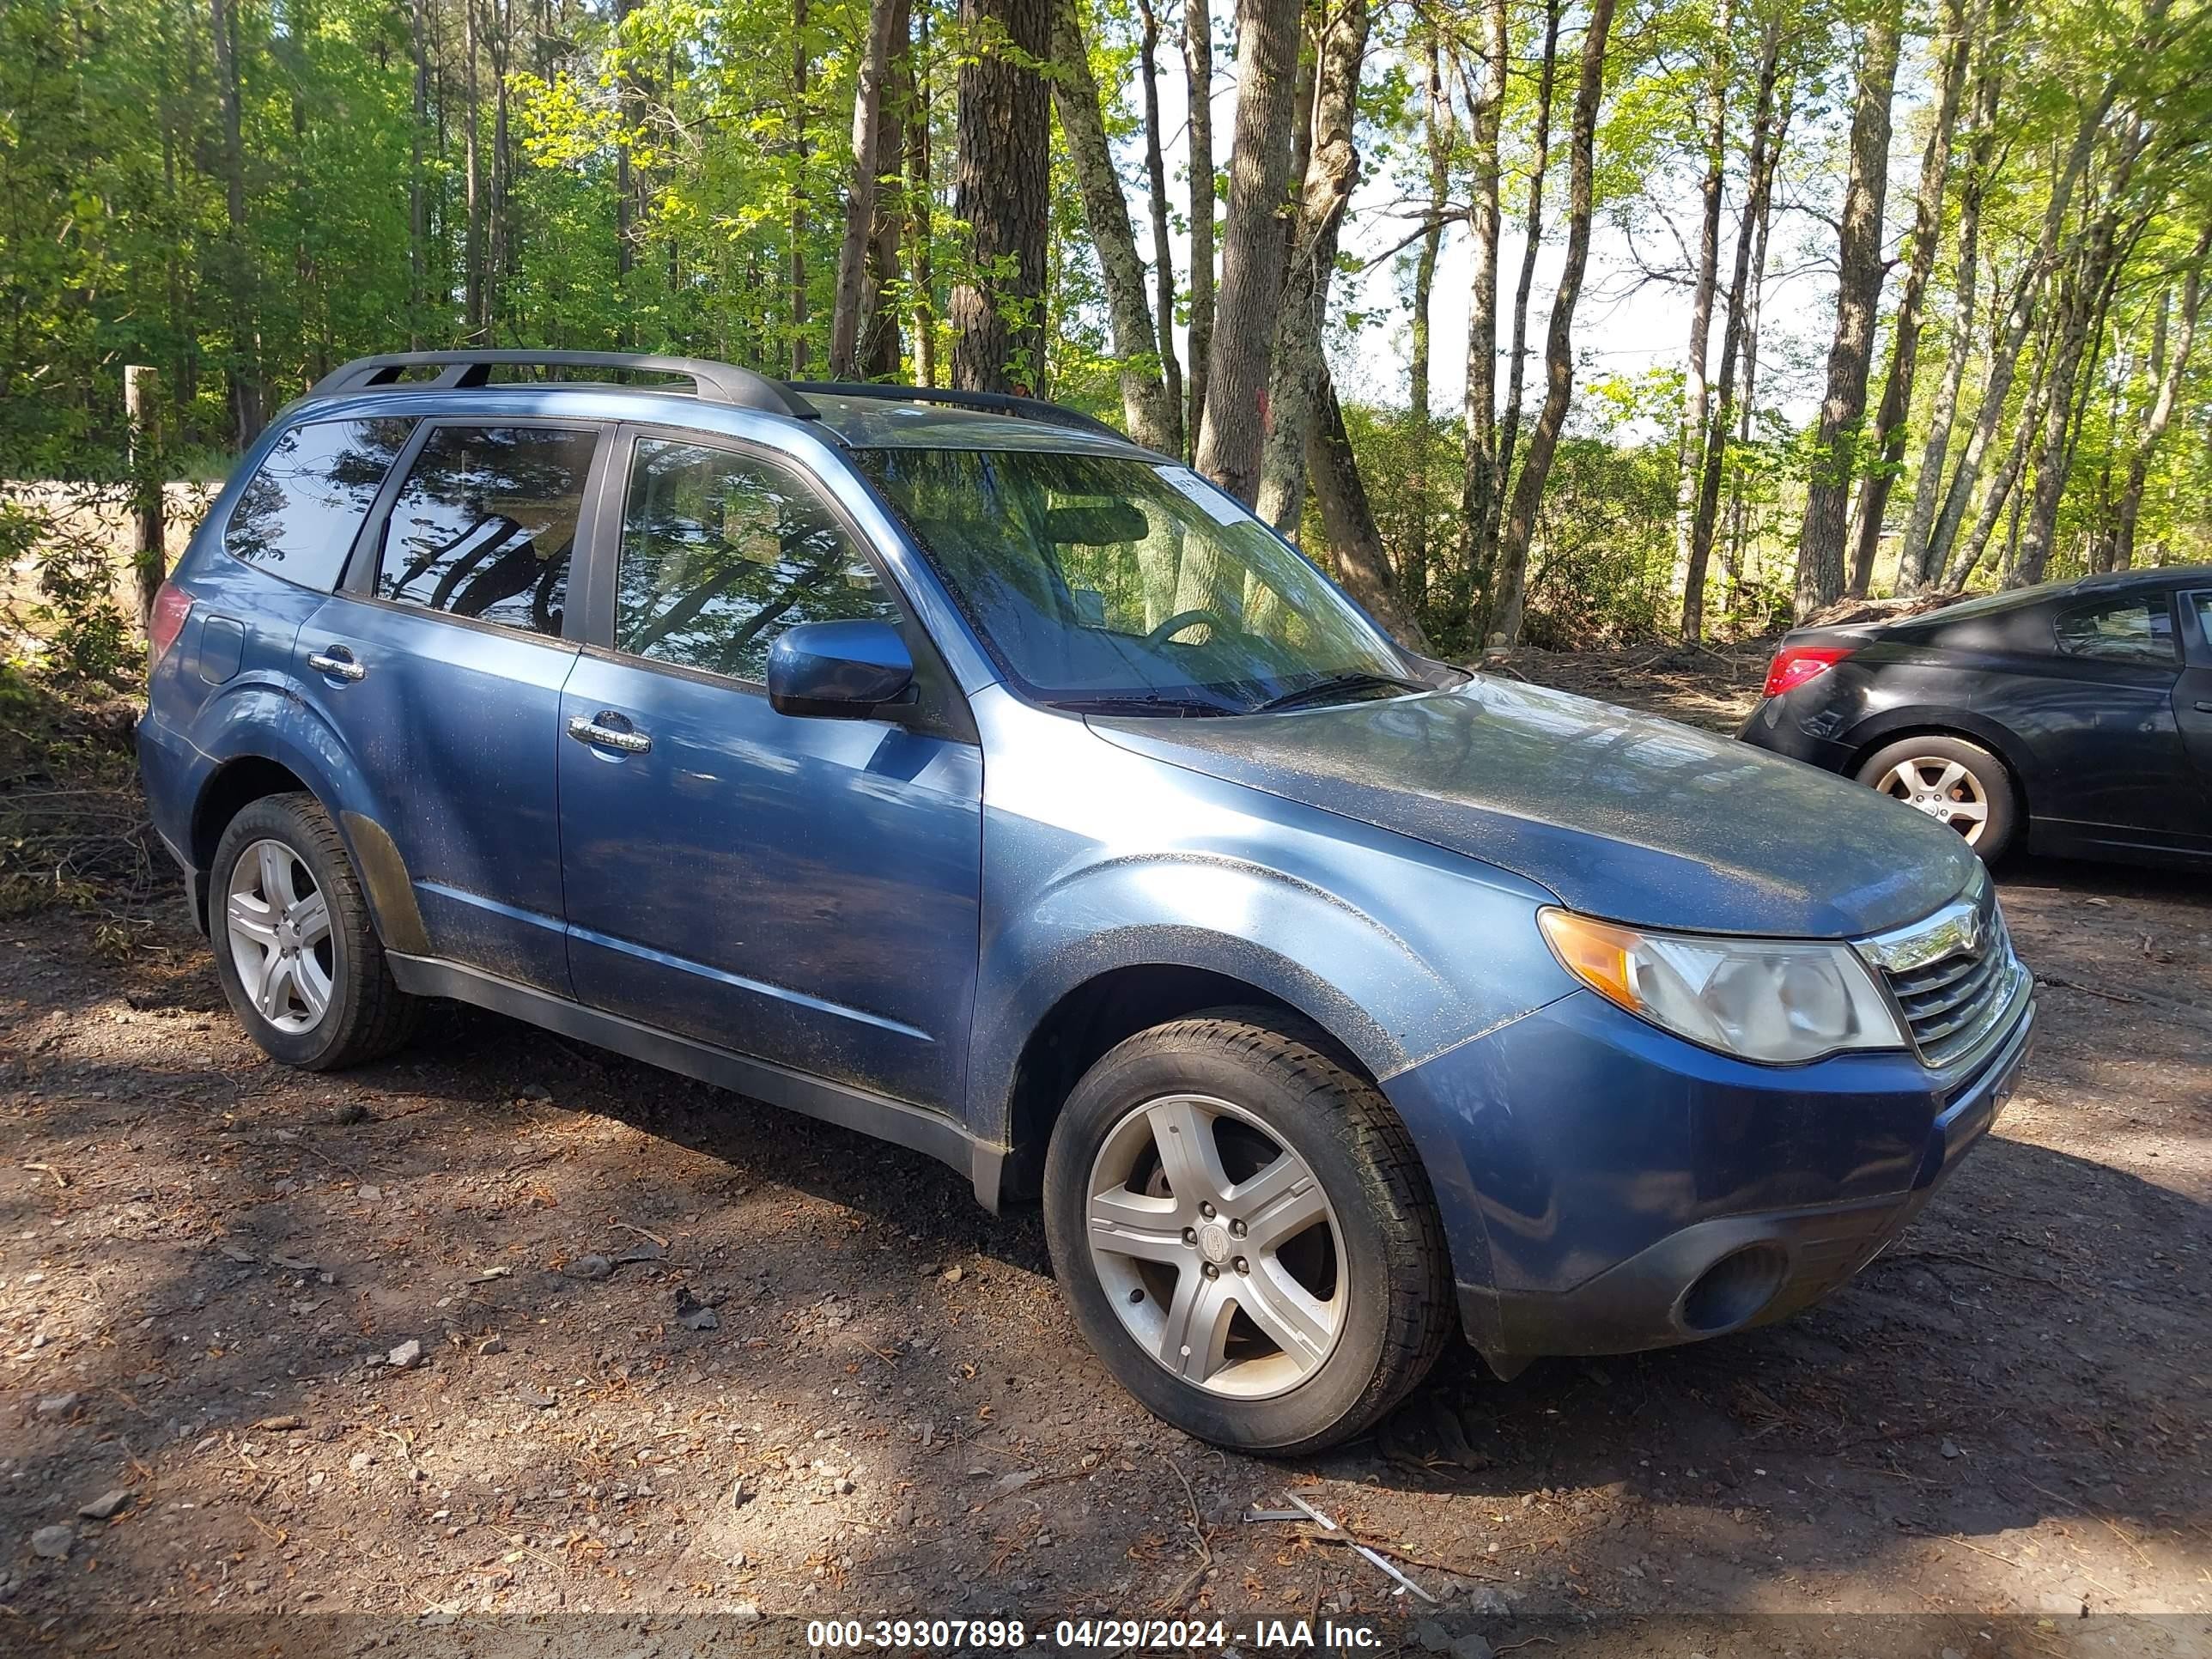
pixel 298 515
pixel 2133 628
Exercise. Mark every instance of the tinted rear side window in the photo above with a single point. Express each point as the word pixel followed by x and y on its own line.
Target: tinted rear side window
pixel 485 526
pixel 298 514
pixel 2138 628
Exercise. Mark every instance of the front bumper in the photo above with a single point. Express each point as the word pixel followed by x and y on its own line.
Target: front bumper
pixel 1608 1189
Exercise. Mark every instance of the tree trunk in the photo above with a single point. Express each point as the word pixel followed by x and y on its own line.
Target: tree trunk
pixel 2016 462
pixel 149 560
pixel 1348 521
pixel 880 352
pixel 1156 179
pixel 1559 338
pixel 418 195
pixel 2080 329
pixel 801 352
pixel 1415 577
pixel 1144 403
pixel 1697 437
pixel 922 204
pixel 499 259
pixel 1252 246
pixel 2020 310
pixel 244 369
pixel 1332 171
pixel 1198 73
pixel 1759 175
pixel 1953 38
pixel 1002 194
pixel 1858 294
pixel 2161 408
pixel 845 318
pixel 1478 423
pixel 1913 564
pixel 1754 310
pixel 1509 427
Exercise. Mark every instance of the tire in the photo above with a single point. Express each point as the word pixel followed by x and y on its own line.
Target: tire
pixel 334 1002
pixel 1373 1263
pixel 1981 784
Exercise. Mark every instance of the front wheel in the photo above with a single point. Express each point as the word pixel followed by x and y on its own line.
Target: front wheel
pixel 1245 1234
pixel 1954 782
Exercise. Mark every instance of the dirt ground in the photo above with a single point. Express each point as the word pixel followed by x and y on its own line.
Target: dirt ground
pixel 506 1345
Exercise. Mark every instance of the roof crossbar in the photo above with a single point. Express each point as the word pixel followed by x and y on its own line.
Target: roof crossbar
pixel 996 403
pixel 722 383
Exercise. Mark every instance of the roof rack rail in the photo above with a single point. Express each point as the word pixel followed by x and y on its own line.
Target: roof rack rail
pixel 995 403
pixel 723 383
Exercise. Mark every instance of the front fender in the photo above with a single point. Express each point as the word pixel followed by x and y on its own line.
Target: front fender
pixel 1098 858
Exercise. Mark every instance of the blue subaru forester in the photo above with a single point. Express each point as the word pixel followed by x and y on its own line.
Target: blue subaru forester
pixel 950 767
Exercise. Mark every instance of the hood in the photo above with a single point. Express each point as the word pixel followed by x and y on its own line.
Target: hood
pixel 1621 815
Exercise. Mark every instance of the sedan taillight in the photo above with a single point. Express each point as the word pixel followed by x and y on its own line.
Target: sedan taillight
pixel 1796 665
pixel 172 604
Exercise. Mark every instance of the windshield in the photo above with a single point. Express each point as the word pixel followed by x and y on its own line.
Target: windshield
pixel 1126 586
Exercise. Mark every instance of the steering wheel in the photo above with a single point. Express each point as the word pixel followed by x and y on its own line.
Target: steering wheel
pixel 1182 619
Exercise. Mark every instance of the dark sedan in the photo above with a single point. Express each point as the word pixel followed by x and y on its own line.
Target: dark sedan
pixel 2074 718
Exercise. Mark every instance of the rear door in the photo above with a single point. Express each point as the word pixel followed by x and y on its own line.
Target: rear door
pixel 442 664
pixel 801 890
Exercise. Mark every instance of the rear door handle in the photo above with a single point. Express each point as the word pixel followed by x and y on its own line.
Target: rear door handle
pixel 337 662
pixel 594 730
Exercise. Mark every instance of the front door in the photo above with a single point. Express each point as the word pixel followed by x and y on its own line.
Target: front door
pixel 2192 701
pixel 441 665
pixel 2114 766
pixel 804 891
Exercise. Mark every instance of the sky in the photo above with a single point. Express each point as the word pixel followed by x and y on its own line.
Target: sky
pixel 1625 324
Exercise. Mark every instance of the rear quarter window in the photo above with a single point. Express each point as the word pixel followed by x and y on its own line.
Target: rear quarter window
pixel 2132 627
pixel 300 512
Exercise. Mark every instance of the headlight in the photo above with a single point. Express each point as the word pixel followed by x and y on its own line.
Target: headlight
pixel 1776 1000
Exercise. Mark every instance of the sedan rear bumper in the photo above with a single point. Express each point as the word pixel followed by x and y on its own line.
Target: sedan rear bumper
pixel 1771 728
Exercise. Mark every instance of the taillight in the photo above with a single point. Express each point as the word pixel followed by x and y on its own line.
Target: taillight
pixel 1796 664
pixel 172 604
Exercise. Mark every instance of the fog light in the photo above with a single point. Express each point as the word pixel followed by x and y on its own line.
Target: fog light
pixel 1733 1290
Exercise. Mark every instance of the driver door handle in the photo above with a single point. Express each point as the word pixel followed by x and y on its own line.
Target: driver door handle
pixel 589 730
pixel 2204 705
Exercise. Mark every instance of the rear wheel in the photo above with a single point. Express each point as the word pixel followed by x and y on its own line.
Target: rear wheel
pixel 1245 1234
pixel 1953 782
pixel 295 948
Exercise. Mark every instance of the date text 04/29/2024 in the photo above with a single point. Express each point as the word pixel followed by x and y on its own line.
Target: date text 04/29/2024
pixel 1120 1635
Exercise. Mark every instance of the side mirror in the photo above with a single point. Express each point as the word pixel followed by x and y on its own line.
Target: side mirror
pixel 838 670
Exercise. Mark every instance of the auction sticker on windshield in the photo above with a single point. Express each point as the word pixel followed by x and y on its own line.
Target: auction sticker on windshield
pixel 1218 506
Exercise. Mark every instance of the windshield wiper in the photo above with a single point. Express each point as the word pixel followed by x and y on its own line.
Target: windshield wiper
pixel 1179 708
pixel 1338 685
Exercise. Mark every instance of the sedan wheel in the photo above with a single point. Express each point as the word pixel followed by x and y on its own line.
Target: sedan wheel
pixel 1959 784
pixel 1944 789
pixel 278 924
pixel 1217 1247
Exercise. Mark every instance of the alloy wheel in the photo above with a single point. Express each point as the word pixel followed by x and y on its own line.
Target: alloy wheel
pixel 278 925
pixel 1217 1247
pixel 1942 788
